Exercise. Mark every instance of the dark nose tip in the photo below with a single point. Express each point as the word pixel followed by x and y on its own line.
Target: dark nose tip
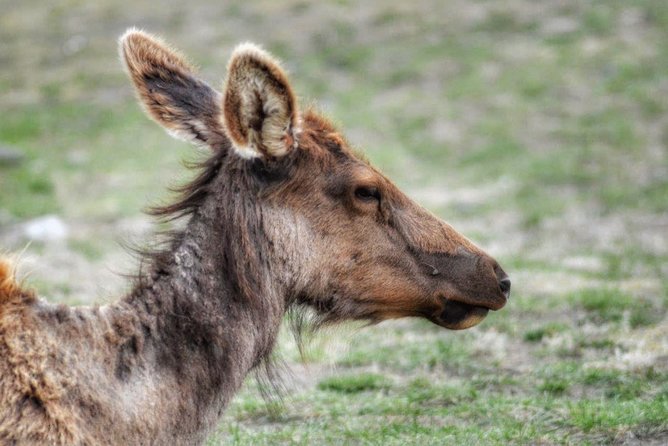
pixel 504 280
pixel 504 284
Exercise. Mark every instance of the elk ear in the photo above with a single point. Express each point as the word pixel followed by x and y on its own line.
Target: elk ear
pixel 170 91
pixel 259 107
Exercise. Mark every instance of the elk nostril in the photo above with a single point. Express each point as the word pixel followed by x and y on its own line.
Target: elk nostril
pixel 504 284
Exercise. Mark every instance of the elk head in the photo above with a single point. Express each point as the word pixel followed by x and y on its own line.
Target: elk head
pixel 348 242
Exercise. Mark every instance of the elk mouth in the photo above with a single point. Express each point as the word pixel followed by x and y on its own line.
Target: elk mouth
pixel 457 315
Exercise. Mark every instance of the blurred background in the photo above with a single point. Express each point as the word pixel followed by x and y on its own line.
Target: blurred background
pixel 537 128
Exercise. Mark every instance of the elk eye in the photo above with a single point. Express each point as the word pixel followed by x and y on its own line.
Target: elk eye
pixel 367 193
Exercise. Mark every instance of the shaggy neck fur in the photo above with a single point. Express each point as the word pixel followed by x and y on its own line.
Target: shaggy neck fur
pixel 164 361
pixel 208 308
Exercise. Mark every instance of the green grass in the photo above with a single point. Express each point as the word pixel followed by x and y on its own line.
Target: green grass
pixel 61 165
pixel 354 383
pixel 614 415
pixel 611 305
pixel 433 413
pixel 546 330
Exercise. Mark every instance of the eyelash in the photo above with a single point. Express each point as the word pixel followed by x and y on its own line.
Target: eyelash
pixel 367 193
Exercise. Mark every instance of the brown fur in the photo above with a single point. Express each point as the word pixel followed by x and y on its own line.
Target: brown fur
pixel 257 87
pixel 9 288
pixel 301 222
pixel 156 68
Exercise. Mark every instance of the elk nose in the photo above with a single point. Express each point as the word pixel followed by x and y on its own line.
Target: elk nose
pixel 504 280
pixel 504 284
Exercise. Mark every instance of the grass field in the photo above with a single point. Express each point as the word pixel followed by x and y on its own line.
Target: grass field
pixel 537 128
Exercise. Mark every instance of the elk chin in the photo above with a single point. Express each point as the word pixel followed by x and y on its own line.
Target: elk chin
pixel 459 316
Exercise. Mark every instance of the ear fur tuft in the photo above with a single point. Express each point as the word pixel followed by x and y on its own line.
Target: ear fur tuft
pixel 170 91
pixel 143 52
pixel 259 106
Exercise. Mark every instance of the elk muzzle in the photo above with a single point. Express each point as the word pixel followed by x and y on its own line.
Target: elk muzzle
pixel 467 286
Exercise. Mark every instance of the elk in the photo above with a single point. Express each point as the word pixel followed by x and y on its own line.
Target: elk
pixel 283 214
